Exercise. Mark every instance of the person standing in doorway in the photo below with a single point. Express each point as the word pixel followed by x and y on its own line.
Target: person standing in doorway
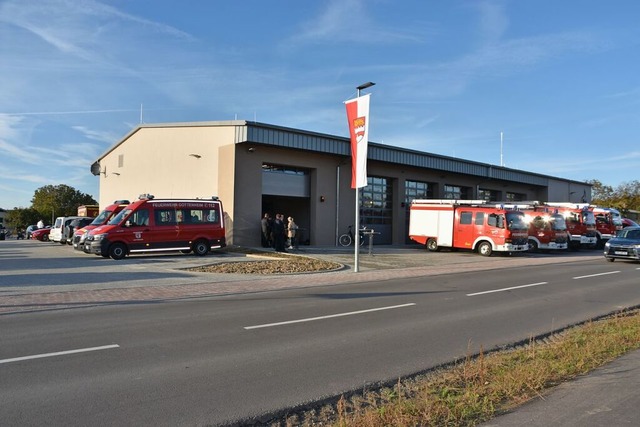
pixel 266 231
pixel 279 233
pixel 292 233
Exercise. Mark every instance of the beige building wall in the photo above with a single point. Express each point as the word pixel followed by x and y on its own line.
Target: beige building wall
pixel 166 162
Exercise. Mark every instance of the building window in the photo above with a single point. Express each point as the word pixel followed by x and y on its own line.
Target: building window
pixel 376 207
pixel 417 190
pixel 515 197
pixel 120 160
pixel 488 195
pixel 456 192
pixel 285 170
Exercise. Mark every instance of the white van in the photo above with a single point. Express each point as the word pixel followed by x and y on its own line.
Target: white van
pixel 57 233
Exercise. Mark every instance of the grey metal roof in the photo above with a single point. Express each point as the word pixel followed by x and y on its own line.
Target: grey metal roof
pixel 279 136
pixel 261 133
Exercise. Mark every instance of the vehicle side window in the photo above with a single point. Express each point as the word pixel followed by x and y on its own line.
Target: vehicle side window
pixel 466 217
pixel 165 217
pixel 195 215
pixel 139 218
pixel 492 220
pixel 211 215
pixel 479 218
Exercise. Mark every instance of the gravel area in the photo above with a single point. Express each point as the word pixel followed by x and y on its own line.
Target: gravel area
pixel 258 262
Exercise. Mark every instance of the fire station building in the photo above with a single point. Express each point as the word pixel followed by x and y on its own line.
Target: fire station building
pixel 255 168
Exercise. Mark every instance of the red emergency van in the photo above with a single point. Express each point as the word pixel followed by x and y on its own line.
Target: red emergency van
pixel 107 213
pixel 160 225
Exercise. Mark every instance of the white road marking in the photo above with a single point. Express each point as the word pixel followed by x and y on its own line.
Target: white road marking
pixel 59 353
pixel 311 319
pixel 595 275
pixel 507 289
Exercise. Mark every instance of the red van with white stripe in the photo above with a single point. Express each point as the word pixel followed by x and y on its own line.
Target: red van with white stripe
pixel 153 225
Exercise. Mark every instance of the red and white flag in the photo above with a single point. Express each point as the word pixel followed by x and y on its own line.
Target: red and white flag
pixel 358 118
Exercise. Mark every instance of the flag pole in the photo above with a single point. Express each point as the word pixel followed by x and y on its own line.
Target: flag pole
pixel 356 260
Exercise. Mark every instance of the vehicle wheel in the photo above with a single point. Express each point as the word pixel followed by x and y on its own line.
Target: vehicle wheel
pixel 611 259
pixel 201 247
pixel 432 245
pixel 345 240
pixel 45 238
pixel 533 246
pixel 484 249
pixel 117 251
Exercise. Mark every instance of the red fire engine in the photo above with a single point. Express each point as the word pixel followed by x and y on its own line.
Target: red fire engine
pixel 547 227
pixel 467 224
pixel 608 222
pixel 581 223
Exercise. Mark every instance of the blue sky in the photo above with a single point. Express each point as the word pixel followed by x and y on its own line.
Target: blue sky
pixel 560 79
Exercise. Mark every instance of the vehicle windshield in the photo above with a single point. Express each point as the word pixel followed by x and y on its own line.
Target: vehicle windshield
pixel 617 218
pixel 588 218
pixel 100 219
pixel 629 233
pixel 558 223
pixel 515 221
pixel 118 218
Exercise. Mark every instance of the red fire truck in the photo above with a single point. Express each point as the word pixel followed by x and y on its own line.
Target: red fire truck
pixel 547 227
pixel 581 223
pixel 467 224
pixel 608 222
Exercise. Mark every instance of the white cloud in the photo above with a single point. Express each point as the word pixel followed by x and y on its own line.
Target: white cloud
pixel 349 21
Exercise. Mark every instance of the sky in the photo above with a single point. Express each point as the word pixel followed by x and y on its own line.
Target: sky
pixel 545 86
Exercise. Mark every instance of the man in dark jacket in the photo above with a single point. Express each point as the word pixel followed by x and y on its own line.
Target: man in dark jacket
pixel 279 231
pixel 266 231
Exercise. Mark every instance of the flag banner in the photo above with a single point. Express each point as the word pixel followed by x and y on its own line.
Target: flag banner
pixel 358 118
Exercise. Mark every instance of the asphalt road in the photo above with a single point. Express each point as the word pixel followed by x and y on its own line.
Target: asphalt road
pixel 215 359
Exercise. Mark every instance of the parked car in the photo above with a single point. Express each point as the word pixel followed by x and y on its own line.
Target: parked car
pixel 626 245
pixel 41 234
pixel 626 222
pixel 59 230
pixel 31 229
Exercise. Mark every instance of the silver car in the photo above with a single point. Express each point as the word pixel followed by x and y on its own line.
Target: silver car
pixel 626 245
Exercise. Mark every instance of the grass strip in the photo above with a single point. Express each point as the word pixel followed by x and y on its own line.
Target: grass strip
pixel 478 388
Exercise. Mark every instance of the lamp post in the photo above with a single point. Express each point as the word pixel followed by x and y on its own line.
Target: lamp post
pixel 356 262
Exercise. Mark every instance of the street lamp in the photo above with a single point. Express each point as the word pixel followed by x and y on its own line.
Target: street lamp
pixel 364 86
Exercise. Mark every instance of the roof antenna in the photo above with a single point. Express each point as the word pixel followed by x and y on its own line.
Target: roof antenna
pixel 501 142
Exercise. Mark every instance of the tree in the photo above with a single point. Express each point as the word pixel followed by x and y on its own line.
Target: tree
pixel 628 196
pixel 624 197
pixel 23 217
pixel 59 200
pixel 601 194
